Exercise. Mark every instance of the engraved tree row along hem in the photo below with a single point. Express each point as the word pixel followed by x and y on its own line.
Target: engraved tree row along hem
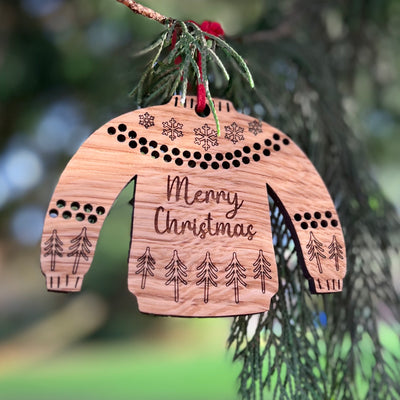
pixel 177 191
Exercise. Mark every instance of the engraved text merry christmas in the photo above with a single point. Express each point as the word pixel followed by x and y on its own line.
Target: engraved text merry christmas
pixel 178 191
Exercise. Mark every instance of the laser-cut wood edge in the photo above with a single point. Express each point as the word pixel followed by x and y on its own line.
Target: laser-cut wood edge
pixel 321 285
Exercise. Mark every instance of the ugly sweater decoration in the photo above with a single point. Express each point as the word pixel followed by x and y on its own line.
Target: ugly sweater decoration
pixel 201 242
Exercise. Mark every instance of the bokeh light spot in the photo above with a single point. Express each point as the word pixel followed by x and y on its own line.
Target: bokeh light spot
pixel 23 169
pixel 27 225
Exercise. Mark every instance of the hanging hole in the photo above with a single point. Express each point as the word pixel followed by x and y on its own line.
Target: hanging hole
pixel 204 113
pixel 67 215
pixel 100 210
pixel 75 206
pixel 60 203
pixel 80 217
pixel 53 213
pixel 92 219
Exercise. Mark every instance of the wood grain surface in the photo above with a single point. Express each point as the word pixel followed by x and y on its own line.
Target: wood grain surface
pixel 201 231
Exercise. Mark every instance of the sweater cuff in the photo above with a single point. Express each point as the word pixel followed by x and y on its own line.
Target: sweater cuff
pixel 327 285
pixel 64 282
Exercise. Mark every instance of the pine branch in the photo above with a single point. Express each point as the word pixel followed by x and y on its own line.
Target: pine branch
pixel 177 77
pixel 145 11
pixel 301 356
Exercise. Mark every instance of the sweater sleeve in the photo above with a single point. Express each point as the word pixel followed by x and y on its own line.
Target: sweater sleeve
pixel 81 201
pixel 294 183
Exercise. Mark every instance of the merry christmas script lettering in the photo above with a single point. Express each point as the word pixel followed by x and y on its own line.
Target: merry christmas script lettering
pixel 178 191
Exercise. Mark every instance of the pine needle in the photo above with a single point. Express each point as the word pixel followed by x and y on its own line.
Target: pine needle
pixel 190 40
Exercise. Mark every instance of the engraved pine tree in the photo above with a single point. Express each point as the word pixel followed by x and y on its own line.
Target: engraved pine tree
pixel 336 252
pixel 315 250
pixel 262 269
pixel 79 248
pixel 145 266
pixel 207 275
pixel 176 274
pixel 53 249
pixel 235 276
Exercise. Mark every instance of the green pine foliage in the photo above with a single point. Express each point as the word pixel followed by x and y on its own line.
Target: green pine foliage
pixel 306 346
pixel 163 77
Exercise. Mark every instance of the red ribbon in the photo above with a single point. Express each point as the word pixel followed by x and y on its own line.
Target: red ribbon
pixel 215 29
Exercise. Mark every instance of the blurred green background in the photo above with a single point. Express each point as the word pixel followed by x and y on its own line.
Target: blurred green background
pixel 66 68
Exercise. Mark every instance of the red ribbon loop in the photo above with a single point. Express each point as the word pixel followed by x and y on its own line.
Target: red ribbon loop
pixel 214 28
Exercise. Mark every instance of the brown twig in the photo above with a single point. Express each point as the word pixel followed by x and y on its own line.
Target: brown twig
pixel 145 11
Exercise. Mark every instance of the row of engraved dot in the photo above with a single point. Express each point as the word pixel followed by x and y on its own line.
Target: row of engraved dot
pixel 132 134
pixel 197 155
pixel 219 156
pixel 175 151
pixel 314 224
pixel 75 206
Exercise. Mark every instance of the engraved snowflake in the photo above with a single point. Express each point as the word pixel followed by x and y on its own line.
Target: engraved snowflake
pixel 146 120
pixel 172 129
pixel 234 132
pixel 205 137
pixel 255 127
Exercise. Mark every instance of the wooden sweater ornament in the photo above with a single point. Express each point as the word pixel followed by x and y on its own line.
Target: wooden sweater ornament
pixel 201 242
